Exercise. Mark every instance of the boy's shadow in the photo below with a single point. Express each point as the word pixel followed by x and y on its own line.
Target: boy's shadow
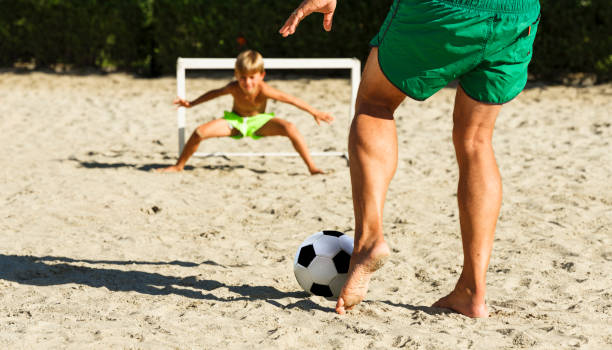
pixel 154 166
pixel 51 270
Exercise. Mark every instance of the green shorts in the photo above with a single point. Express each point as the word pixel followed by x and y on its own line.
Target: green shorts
pixel 247 126
pixel 485 44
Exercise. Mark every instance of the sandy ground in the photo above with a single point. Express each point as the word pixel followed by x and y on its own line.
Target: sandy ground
pixel 98 251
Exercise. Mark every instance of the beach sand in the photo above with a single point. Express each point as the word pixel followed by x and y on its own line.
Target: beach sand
pixel 98 251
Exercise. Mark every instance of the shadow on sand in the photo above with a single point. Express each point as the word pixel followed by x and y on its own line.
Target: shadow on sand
pixel 154 166
pixel 51 270
pixel 150 167
pixel 426 309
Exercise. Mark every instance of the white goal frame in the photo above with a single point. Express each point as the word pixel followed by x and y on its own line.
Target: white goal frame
pixel 182 64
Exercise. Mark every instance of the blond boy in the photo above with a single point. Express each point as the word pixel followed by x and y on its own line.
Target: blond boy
pixel 248 117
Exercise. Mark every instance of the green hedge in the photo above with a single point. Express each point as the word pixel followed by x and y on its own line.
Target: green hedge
pixel 574 36
pixel 190 28
pixel 146 36
pixel 85 33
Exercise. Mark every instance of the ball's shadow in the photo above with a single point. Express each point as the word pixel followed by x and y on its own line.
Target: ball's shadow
pixel 52 270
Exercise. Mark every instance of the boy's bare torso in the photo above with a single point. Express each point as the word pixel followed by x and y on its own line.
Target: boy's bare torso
pixel 246 105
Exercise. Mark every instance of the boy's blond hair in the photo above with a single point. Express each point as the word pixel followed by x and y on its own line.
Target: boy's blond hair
pixel 249 61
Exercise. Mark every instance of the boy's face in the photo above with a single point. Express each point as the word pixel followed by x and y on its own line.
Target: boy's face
pixel 249 82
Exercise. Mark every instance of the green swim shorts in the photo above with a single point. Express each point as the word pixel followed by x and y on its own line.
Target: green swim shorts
pixel 485 44
pixel 247 126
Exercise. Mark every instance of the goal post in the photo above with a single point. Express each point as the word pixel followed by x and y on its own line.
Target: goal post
pixel 184 64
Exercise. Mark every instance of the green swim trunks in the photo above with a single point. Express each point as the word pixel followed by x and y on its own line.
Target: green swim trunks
pixel 247 126
pixel 485 44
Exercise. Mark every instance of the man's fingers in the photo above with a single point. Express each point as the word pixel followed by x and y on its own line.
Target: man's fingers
pixel 292 22
pixel 327 7
pixel 289 27
pixel 284 31
pixel 327 21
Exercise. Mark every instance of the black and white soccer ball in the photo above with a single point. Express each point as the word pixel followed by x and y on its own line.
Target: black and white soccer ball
pixel 322 261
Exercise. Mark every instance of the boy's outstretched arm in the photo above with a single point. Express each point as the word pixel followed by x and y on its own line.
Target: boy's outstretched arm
pixel 207 96
pixel 278 95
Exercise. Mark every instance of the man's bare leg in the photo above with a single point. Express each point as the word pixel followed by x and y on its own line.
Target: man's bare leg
pixel 214 128
pixel 479 196
pixel 373 160
pixel 280 127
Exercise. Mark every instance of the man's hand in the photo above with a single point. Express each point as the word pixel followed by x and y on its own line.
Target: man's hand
pixel 326 7
pixel 322 116
pixel 181 103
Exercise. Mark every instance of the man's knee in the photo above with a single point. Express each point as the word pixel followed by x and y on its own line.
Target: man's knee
pixel 469 140
pixel 373 107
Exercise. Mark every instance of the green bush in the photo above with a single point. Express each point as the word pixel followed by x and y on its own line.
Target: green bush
pixel 146 36
pixel 188 28
pixel 83 33
pixel 573 36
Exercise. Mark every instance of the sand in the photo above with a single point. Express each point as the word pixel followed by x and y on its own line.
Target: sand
pixel 98 251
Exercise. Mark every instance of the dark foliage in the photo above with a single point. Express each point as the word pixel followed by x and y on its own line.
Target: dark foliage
pixel 146 36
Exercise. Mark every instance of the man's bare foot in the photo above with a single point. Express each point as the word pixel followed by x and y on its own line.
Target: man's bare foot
pixel 170 169
pixel 464 302
pixel 363 264
pixel 316 171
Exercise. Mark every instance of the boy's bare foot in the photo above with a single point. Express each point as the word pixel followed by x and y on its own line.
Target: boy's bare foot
pixel 363 264
pixel 464 302
pixel 316 171
pixel 170 169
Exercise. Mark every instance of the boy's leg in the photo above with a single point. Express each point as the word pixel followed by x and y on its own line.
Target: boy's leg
pixel 373 160
pixel 214 128
pixel 479 196
pixel 280 127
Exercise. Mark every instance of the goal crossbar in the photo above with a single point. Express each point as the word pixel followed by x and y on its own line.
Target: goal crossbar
pixel 183 64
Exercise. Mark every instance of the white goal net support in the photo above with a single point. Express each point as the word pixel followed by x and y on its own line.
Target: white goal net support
pixel 184 64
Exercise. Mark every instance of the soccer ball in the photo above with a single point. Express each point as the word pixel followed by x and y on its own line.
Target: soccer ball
pixel 322 261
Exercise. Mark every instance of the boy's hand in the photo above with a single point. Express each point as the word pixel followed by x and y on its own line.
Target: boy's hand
pixel 322 116
pixel 326 7
pixel 181 103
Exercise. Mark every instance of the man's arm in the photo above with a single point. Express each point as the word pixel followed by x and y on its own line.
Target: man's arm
pixel 326 7
pixel 278 95
pixel 207 96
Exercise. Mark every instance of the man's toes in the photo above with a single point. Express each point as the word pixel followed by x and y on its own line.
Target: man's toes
pixel 340 306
